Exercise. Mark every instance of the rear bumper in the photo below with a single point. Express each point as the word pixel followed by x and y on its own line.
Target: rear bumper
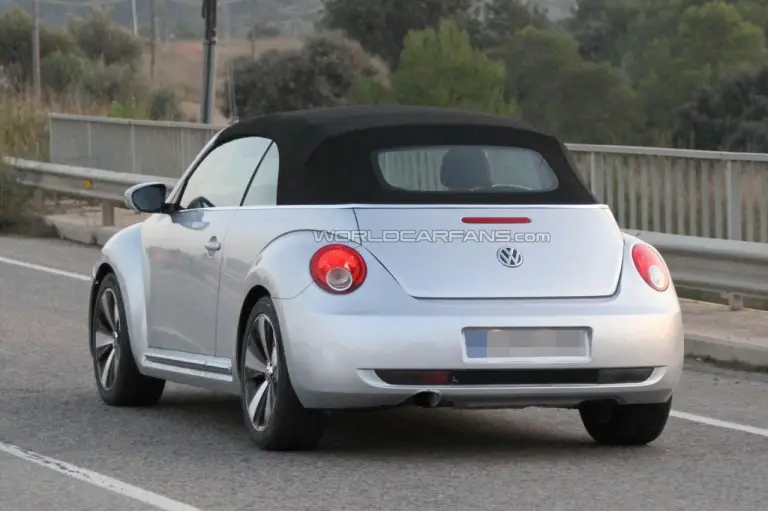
pixel 334 345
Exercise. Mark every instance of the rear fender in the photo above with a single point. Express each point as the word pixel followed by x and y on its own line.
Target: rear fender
pixel 123 254
pixel 635 288
pixel 282 271
pixel 283 265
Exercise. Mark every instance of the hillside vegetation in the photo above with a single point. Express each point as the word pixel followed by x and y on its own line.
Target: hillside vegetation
pixel 182 17
pixel 686 73
pixel 690 73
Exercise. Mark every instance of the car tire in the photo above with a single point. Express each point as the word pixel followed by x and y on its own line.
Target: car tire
pixel 626 425
pixel 273 414
pixel 118 379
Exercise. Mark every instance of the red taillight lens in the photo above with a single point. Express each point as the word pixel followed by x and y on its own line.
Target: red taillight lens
pixel 338 269
pixel 650 266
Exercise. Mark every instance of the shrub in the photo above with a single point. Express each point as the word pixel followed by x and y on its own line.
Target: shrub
pixel 22 129
pixel 320 74
pixel 262 31
pixel 129 108
pixel 164 105
pixel 101 39
pixel 114 82
pixel 63 72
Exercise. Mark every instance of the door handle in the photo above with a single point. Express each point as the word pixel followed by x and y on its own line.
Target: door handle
pixel 213 245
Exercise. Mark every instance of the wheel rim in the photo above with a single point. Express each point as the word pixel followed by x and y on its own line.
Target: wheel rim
pixel 107 337
pixel 260 372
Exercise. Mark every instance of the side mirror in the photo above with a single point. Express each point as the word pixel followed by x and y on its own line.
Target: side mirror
pixel 147 197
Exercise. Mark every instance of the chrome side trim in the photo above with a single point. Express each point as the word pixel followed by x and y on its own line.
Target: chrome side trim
pixel 176 362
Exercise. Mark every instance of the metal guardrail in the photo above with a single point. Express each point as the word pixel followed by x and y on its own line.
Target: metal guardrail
pixel 736 268
pixel 104 186
pixel 695 193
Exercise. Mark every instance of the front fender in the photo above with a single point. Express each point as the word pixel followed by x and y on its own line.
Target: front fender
pixel 123 254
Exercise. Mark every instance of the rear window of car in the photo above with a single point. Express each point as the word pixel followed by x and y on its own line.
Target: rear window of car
pixel 464 168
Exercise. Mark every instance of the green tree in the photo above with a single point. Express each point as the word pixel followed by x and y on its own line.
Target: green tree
pixel 558 91
pixel 601 26
pixel 500 20
pixel 711 41
pixel 320 74
pixel 380 26
pixel 439 67
pixel 729 116
pixel 665 86
pixel 715 35
pixel 755 12
pixel 16 44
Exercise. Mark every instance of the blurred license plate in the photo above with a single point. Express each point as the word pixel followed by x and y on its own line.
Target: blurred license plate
pixel 526 342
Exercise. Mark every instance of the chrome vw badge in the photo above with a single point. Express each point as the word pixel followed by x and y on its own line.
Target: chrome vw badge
pixel 509 257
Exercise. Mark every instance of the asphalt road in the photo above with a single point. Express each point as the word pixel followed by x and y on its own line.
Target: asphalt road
pixel 192 447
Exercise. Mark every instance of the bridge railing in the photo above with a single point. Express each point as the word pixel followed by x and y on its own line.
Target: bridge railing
pixel 735 268
pixel 673 191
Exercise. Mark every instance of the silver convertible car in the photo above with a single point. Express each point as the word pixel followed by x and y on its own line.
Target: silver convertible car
pixel 363 258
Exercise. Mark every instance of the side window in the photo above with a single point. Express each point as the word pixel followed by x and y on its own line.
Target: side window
pixel 263 190
pixel 221 178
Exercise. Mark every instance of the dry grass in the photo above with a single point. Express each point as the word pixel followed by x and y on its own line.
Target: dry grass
pixel 179 65
pixel 24 134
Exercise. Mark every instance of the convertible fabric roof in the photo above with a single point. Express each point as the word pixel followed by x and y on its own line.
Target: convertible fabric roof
pixel 306 129
pixel 326 153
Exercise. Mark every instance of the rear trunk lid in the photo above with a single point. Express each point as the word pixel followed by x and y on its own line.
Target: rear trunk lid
pixel 496 252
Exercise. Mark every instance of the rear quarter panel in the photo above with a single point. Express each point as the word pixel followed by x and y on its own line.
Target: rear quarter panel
pixel 270 247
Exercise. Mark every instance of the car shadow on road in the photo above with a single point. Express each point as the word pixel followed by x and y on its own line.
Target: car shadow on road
pixel 409 432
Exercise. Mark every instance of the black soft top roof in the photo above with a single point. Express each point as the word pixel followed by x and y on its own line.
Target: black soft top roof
pixel 325 153
pixel 304 130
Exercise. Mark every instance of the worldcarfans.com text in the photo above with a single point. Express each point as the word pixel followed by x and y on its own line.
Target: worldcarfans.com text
pixel 433 236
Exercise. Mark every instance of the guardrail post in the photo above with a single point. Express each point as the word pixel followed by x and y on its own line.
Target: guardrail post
pixel 595 178
pixel 38 199
pixel 733 218
pixel 107 214
pixel 735 302
pixel 133 148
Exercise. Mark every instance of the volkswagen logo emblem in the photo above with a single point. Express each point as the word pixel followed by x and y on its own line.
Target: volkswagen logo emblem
pixel 509 257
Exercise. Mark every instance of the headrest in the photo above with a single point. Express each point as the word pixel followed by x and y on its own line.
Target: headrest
pixel 464 168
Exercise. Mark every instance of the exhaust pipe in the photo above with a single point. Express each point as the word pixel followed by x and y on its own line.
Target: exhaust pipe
pixel 428 399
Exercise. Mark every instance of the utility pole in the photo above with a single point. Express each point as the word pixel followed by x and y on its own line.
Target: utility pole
pixel 152 40
pixel 227 22
pixel 135 18
pixel 163 22
pixel 209 62
pixel 36 87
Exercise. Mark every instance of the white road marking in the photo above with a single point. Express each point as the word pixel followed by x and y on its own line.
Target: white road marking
pixel 709 421
pixel 46 269
pixel 99 480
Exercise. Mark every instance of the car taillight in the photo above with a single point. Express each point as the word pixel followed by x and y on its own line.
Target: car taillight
pixel 338 269
pixel 650 266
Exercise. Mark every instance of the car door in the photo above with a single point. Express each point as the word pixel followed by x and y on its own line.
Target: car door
pixel 255 225
pixel 184 249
